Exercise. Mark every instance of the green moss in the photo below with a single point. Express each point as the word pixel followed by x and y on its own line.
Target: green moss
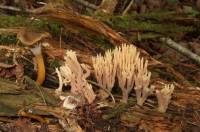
pixel 160 28
pixel 143 36
pixel 55 29
pixel 12 21
pixel 55 63
pixel 89 12
pixel 152 16
pixel 7 39
pixel 118 22
pixel 118 110
pixel 157 15
pixel 100 41
pixel 39 25
pixel 154 22
pixel 22 21
pixel 19 21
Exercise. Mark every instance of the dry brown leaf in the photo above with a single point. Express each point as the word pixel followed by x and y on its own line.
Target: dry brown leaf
pixel 24 125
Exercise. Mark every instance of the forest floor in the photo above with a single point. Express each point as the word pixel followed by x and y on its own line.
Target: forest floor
pixel 27 106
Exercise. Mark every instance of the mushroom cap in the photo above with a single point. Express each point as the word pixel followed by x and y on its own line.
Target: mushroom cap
pixel 30 38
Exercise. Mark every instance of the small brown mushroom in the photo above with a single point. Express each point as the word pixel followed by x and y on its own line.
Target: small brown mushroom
pixel 31 39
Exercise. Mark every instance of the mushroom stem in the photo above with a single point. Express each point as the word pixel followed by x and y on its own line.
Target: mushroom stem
pixel 40 64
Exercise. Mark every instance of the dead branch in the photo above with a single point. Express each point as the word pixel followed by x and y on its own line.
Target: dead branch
pixel 75 20
pixel 9 30
pixel 87 4
pixel 3 65
pixel 182 50
pixel 128 7
pixel 4 47
pixel 11 8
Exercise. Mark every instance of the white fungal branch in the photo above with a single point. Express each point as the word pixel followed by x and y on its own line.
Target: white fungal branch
pixel 126 57
pixel 130 70
pixel 142 80
pixel 59 89
pixel 79 84
pixel 64 76
pixel 105 71
pixel 125 64
pixel 164 96
pixel 75 74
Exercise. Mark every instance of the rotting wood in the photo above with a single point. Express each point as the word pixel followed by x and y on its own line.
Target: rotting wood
pixel 14 97
pixel 69 17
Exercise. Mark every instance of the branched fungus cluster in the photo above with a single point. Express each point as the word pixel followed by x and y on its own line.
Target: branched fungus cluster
pixel 105 71
pixel 122 64
pixel 75 74
pixel 131 72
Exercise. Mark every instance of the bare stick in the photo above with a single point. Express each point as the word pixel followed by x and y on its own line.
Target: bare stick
pixel 11 8
pixel 87 4
pixel 181 49
pixel 4 47
pixel 9 30
pixel 128 7
pixel 3 65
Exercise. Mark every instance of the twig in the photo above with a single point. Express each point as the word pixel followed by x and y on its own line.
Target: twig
pixel 182 50
pixel 15 59
pixel 94 83
pixel 87 4
pixel 60 38
pixel 6 65
pixel 31 116
pixel 6 120
pixel 9 30
pixel 26 59
pixel 127 8
pixel 11 8
pixel 7 48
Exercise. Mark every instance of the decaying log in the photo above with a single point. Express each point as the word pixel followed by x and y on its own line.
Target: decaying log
pixel 14 98
pixel 75 20
pixel 87 4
